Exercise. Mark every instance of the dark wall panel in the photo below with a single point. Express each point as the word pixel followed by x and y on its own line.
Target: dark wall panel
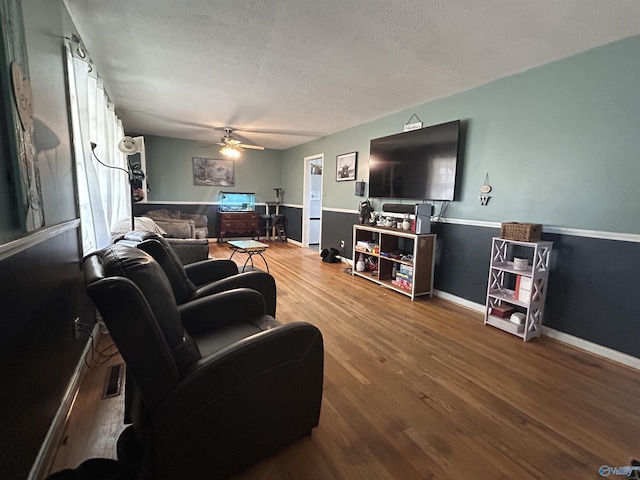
pixel 593 291
pixel 593 283
pixel 41 292
pixel 337 226
pixel 41 287
pixel 293 223
pixel 462 260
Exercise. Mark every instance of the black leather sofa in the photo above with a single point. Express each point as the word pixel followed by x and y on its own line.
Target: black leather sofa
pixel 213 385
pixel 187 250
pixel 205 277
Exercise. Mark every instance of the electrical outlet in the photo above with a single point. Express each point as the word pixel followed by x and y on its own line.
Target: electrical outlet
pixel 76 327
pixel 341 243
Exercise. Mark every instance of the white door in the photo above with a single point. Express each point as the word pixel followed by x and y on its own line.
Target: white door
pixel 312 207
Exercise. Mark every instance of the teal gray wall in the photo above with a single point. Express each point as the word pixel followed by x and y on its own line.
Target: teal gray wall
pixel 561 148
pixel 41 60
pixel 45 23
pixel 170 171
pixel 40 273
pixel 560 144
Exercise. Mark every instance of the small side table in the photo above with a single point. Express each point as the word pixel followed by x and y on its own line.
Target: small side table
pixel 251 248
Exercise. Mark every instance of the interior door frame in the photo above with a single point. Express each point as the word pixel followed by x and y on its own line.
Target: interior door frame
pixel 306 194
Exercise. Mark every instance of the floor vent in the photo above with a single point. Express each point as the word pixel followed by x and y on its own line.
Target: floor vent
pixel 113 387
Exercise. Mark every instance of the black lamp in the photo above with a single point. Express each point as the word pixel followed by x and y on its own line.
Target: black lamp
pixel 126 147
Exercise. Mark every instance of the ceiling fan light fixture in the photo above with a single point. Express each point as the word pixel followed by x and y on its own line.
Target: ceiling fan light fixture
pixel 232 147
pixel 230 152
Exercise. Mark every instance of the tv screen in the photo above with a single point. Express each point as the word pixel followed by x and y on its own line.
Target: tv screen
pixel 420 164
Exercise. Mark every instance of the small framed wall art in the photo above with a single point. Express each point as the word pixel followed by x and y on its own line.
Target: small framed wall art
pixel 346 166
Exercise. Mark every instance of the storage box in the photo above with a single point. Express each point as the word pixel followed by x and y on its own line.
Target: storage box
pixel 407 269
pixel 399 282
pixel 502 311
pixel 522 232
pixel 368 246
pixel 505 324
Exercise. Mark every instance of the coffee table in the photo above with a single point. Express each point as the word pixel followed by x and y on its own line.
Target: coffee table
pixel 251 248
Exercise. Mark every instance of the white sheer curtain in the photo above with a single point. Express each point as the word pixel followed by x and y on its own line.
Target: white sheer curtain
pixel 103 193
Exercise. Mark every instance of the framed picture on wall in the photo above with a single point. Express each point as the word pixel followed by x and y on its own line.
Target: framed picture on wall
pixel 213 172
pixel 346 166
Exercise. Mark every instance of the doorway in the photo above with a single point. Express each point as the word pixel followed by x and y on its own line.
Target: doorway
pixel 312 205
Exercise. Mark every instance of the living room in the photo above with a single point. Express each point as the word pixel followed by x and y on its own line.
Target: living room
pixel 557 143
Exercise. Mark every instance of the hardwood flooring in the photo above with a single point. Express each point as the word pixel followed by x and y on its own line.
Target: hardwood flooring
pixel 423 390
pixel 94 423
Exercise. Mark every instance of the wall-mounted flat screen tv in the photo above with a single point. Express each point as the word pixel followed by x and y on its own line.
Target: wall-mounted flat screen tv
pixel 420 164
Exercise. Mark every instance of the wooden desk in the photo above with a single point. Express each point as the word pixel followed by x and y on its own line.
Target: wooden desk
pixel 251 248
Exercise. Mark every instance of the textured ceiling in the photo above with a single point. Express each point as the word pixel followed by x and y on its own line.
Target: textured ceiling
pixel 284 72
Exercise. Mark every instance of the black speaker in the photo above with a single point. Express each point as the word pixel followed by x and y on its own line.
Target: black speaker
pixel 423 217
pixel 398 208
pixel 360 189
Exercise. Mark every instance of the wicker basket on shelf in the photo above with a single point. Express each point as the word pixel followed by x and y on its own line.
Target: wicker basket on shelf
pixel 522 232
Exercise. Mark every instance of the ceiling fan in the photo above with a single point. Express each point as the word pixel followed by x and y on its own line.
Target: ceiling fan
pixel 231 147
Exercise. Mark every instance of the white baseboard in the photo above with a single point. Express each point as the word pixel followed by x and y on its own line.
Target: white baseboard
pixel 577 342
pixel 572 340
pixel 594 348
pixel 42 463
pixel 460 301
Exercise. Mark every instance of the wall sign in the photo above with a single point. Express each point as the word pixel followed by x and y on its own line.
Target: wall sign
pixel 412 126
pixel 23 96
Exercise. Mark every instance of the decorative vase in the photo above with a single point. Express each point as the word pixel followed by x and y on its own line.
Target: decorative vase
pixel 360 266
pixel 406 223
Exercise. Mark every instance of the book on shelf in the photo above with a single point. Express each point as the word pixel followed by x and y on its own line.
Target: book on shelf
pixel 523 287
pixel 404 276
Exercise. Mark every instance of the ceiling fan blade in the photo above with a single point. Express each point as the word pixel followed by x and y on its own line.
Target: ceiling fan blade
pixel 240 130
pixel 252 147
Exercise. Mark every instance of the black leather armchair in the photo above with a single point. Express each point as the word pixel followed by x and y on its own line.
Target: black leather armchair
pixel 205 277
pixel 214 384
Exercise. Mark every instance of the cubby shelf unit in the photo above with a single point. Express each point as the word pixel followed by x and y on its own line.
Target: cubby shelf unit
pixel 389 240
pixel 503 276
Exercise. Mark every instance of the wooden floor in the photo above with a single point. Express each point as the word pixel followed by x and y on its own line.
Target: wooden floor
pixel 95 422
pixel 423 390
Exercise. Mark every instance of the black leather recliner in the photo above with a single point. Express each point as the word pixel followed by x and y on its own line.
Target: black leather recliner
pixel 202 278
pixel 214 384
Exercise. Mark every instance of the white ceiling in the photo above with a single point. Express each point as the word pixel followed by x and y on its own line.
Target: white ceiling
pixel 284 72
